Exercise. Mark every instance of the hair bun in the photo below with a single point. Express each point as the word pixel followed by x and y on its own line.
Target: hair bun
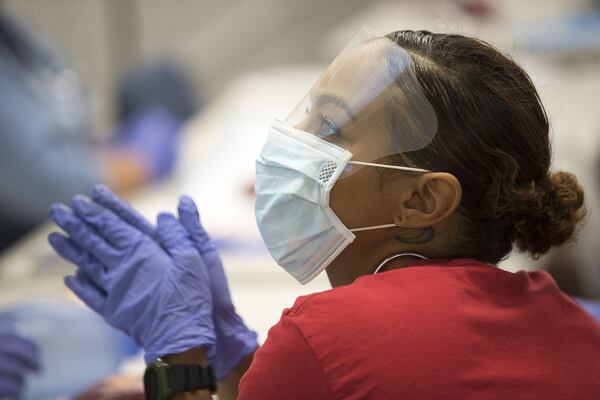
pixel 551 215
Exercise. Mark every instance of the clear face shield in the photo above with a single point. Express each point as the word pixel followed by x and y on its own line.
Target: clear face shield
pixel 368 105
pixel 368 102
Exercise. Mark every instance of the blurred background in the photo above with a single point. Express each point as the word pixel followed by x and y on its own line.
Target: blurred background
pixel 159 98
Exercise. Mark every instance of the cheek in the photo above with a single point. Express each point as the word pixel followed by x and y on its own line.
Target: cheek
pixel 340 202
pixel 357 200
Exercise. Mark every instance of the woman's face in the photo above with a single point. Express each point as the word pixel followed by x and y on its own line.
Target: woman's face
pixel 348 108
pixel 351 107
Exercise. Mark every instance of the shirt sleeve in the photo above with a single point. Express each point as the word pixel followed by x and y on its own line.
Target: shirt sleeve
pixel 285 367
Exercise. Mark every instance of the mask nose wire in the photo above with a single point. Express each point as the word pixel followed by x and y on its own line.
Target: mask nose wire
pixel 398 255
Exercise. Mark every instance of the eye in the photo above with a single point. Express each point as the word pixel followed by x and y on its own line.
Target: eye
pixel 328 128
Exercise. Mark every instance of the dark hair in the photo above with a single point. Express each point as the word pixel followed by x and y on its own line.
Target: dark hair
pixel 493 136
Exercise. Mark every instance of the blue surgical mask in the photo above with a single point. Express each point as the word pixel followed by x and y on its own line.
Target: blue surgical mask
pixel 295 173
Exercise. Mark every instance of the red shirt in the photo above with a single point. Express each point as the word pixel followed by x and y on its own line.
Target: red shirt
pixel 456 330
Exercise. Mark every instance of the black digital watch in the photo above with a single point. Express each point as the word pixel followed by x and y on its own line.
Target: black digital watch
pixel 162 380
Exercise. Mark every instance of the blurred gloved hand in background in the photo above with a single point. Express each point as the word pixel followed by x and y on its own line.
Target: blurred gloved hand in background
pixel 62 330
pixel 160 296
pixel 153 101
pixel 18 357
pixel 162 82
pixel 153 136
pixel 234 340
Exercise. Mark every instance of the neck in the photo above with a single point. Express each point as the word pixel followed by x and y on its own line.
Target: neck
pixel 364 256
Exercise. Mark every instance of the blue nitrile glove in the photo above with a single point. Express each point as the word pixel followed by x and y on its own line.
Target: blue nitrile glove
pixel 18 357
pixel 234 339
pixel 153 134
pixel 161 298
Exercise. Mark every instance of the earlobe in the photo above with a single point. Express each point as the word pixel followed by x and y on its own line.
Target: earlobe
pixel 436 196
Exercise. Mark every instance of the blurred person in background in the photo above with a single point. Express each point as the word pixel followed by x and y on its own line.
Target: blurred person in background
pixel 46 149
pixel 47 153
pixel 409 171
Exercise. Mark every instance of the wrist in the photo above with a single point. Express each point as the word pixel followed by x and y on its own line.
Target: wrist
pixel 232 349
pixel 191 356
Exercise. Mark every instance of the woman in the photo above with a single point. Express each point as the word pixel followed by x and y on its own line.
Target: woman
pixel 407 173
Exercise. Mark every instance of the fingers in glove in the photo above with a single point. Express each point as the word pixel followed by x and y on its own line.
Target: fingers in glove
pixel 83 234
pixel 104 196
pixel 70 251
pixel 190 219
pixel 20 352
pixel 171 234
pixel 111 227
pixel 86 290
pixel 11 386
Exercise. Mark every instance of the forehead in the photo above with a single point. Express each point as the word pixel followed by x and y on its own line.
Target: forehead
pixel 369 102
pixel 363 78
pixel 361 74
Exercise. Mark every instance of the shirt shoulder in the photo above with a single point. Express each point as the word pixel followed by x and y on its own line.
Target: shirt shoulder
pixel 285 367
pixel 393 335
pixel 422 284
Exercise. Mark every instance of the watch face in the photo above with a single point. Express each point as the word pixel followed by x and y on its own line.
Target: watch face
pixel 151 384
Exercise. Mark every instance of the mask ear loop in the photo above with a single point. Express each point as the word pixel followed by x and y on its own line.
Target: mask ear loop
pixel 398 255
pixel 401 168
pixel 370 228
pixel 410 169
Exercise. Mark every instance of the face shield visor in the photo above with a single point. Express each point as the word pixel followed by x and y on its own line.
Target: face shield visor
pixel 367 106
pixel 368 102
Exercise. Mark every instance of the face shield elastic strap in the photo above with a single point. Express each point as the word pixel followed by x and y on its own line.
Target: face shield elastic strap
pixel 396 167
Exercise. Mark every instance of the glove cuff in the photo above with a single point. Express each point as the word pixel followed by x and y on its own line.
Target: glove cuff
pixel 231 348
pixel 178 340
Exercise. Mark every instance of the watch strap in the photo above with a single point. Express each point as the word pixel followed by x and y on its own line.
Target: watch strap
pixel 188 377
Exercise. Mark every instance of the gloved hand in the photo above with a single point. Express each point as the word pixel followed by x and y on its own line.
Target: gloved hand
pixel 234 339
pixel 153 135
pixel 18 357
pixel 161 298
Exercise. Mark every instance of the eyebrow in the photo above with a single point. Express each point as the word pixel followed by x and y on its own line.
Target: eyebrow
pixel 329 99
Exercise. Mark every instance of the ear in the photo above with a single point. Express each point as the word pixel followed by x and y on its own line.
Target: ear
pixel 435 196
